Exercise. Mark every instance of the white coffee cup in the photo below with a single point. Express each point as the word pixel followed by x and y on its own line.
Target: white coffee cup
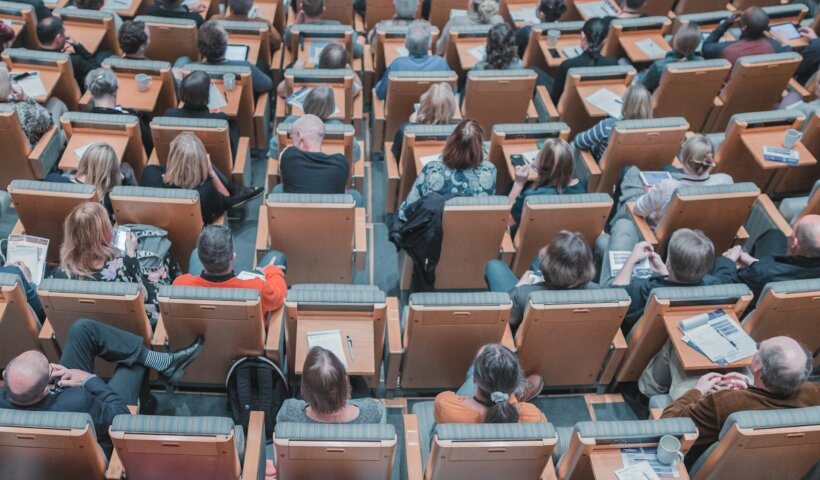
pixel 669 450
pixel 553 36
pixel 143 81
pixel 229 80
pixel 791 137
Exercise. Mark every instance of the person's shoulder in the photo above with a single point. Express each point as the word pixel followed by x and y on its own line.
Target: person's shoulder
pixel 722 179
pixel 185 280
pixel 448 397
pixel 292 410
pixel 529 413
pixel 486 165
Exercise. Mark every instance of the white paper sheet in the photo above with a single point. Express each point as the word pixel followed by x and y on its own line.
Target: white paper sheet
pixel 479 52
pixel 531 156
pixel 403 51
pixel 32 85
pixel 245 275
pixel 457 12
pixel 649 455
pixel 637 471
pixel 718 336
pixel 216 100
pixel 117 5
pixel 650 48
pixel 330 340
pixel 31 251
pixel 617 259
pixel 597 9
pixel 572 52
pixel 79 152
pixel 524 15
pixel 428 158
pixel 606 100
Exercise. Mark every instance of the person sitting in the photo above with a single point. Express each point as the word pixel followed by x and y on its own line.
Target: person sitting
pixel 794 100
pixel 32 383
pixel 215 256
pixel 134 38
pixel 326 390
pixel 244 11
pixel 753 23
pixel 35 120
pixel 102 84
pixel 553 167
pixel 637 105
pixel 405 15
pixel 88 253
pixel 437 106
pixel 178 9
pixel 24 277
pixel 310 13
pixel 546 11
pixel 593 36
pixel 332 57
pixel 632 9
pixel 684 44
pixel 461 170
pixel 690 261
pixel 417 42
pixel 566 263
pixel 779 258
pixel 501 50
pixel 811 56
pixel 52 37
pixel 479 12
pixel 495 391
pixel 97 5
pixel 194 92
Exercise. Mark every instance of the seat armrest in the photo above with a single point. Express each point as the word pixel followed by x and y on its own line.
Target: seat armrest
pixel 272 175
pixel 643 227
pixel 549 471
pixel 261 233
pixel 508 340
pixel 395 345
pixel 378 107
pixel 765 202
pixel 795 86
pixel 159 341
pixel 507 248
pixel 617 350
pixel 393 178
pixel 368 73
pixel 412 447
pixel 360 238
pixel 358 174
pixel 655 413
pixel 587 167
pixel 379 122
pixel 261 121
pixel 254 447
pixel 242 160
pixel 114 470
pixel 48 343
pixel 46 153
pixel 544 106
pixel 273 341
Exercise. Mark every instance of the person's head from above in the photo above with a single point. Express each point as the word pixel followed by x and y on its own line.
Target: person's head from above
pixel 593 36
pixel 88 240
pixel 6 36
pixel 406 9
pixel 240 7
pixel 686 39
pixel 89 4
pixel 27 377
pixel 781 365
pixel 134 38
pixel 805 239
pixel 497 377
pixel 188 165
pixel 102 84
pixel 754 21
pixel 320 102
pixel 633 6
pixel 550 10
pixel 554 165
pixel 418 39
pixel 312 9
pixel 194 90
pixel 464 148
pixel 637 103
pixel 567 262
pixel 100 167
pixel 697 155
pixel 51 33
pixel 308 133
pixel 437 105
pixel 214 247
pixel 325 385
pixel 485 9
pixel 212 41
pixel 333 57
pixel 690 255
pixel 502 50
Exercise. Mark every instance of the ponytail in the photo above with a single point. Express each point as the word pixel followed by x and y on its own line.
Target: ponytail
pixel 502 410
pixel 595 30
pixel 498 376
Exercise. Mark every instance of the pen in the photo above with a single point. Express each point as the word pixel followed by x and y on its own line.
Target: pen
pixel 22 76
pixel 350 347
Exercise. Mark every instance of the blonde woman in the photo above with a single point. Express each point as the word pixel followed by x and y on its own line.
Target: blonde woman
pixel 437 106
pixel 479 12
pixel 88 253
pixel 637 105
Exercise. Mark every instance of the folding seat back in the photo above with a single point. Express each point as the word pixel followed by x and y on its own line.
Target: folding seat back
pixel 706 20
pixel 544 216
pixel 538 52
pixel 94 29
pixel 688 90
pixel 571 327
pixel 483 104
pixel 341 11
pixel 254 35
pixel 242 94
pixel 741 5
pixel 661 8
pixel 765 443
pixel 43 207
pixel 55 72
pixel 583 82
pixel 740 154
pixel 308 40
pixel 19 327
pixel 591 439
pixel 320 451
pixel 404 90
pixel 152 446
pixel 341 81
pixel 687 7
pixel 230 319
pixel 462 39
pixel 23 20
pixel 791 13
pixel 649 334
pixel 801 178
pixel 171 38
pixel 311 307
pixel 440 11
pixel 175 210
pixel 444 331
pixel 126 69
pixel 483 450
pixel 625 32
pixel 274 11
pixel 390 42
pixel 121 132
pixel 756 83
pixel 647 144
pixel 37 445
pixel 519 138
pixel 787 308
pixel 22 161
pixel 420 142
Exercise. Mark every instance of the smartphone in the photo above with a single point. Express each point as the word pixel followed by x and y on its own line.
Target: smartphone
pixel 554 53
pixel 120 237
pixel 517 160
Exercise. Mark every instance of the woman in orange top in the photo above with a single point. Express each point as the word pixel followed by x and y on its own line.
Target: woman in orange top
pixel 489 392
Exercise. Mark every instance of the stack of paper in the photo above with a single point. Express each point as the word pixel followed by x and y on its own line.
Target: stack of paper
pixel 637 471
pixel 718 336
pixel 648 456
pixel 650 48
pixel 781 155
pixel 32 85
pixel 329 340
pixel 31 251
pixel 79 152
pixel 479 52
pixel 531 156
pixel 606 100
pixel 572 52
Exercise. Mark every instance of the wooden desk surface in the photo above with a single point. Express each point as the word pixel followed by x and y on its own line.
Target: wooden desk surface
pixel 755 141
pixel 605 462
pixel 70 160
pixel 128 12
pixel 89 36
pixel 233 97
pixel 570 40
pixel 47 76
pixel 129 97
pixel 586 90
pixel 635 54
pixel 360 331
pixel 463 46
pixel 585 17
pixel 526 7
pixel 518 147
pixel 420 151
pixel 690 358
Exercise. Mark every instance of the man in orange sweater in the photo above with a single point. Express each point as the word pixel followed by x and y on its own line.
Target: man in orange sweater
pixel 214 258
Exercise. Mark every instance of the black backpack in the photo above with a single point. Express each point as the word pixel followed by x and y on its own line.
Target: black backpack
pixel 255 384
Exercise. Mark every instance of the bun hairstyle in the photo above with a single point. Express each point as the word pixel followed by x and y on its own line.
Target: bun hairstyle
pixel 498 376
pixel 552 10
pixel 101 82
pixel 698 154
pixel 486 10
pixel 595 30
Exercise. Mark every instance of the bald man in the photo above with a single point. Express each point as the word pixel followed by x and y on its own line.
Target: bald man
pixel 304 168
pixel 779 370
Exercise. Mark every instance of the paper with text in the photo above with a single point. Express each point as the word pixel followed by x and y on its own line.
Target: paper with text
pixel 31 251
pixel 329 340
pixel 606 100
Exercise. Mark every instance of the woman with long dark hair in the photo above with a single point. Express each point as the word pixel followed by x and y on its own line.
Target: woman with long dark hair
pixel 593 36
pixel 501 50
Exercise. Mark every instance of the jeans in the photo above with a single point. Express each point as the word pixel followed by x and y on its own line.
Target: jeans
pixel 499 277
pixel 624 236
pixel 195 265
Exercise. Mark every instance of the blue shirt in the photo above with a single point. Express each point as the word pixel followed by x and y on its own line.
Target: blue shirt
pixel 411 63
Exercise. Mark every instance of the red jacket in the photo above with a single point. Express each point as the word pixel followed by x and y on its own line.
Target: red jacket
pixel 272 289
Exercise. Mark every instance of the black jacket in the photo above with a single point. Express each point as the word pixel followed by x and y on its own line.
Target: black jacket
pixel 583 60
pixel 40 9
pixel 82 62
pixel 778 268
pixel 211 202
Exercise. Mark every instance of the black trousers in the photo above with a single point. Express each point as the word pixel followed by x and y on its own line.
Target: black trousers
pixel 89 339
